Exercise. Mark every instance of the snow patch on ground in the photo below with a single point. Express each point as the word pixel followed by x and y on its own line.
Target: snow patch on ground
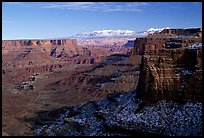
pixel 119 112
pixel 186 72
pixel 195 46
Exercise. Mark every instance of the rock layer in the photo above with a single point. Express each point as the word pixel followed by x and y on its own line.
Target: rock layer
pixel 169 73
pixel 193 31
pixel 21 58
pixel 38 42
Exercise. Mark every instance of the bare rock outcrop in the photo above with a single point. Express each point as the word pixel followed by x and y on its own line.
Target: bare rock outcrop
pixel 170 65
pixel 171 74
pixel 191 32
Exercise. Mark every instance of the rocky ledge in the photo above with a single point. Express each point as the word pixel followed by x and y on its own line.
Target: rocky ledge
pixel 118 115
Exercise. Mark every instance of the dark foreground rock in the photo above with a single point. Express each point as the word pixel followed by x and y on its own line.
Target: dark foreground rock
pixel 118 115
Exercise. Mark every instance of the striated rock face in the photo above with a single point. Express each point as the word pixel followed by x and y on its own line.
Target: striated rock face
pixel 171 65
pixel 21 52
pixel 21 58
pixel 142 44
pixel 54 48
pixel 193 31
pixel 172 74
pixel 42 50
pixel 38 42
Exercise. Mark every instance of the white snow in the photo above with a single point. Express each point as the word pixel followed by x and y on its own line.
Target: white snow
pixel 186 72
pixel 103 33
pixel 104 84
pixel 152 30
pixel 195 46
pixel 117 33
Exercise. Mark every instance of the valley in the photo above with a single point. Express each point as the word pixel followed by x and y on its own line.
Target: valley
pixel 48 74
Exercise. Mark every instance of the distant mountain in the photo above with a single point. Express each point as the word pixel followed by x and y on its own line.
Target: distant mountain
pixel 153 30
pixel 116 33
pixel 106 33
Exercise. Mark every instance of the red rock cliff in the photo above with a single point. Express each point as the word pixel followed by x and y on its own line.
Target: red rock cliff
pixel 193 31
pixel 168 73
pixel 38 42
pixel 171 74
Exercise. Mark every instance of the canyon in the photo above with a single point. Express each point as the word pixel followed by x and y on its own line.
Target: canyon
pixel 53 73
pixel 104 86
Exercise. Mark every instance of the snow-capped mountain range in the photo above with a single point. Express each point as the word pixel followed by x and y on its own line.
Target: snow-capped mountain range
pixel 117 33
pixel 153 30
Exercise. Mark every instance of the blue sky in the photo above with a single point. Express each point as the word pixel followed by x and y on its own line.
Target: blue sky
pixel 41 20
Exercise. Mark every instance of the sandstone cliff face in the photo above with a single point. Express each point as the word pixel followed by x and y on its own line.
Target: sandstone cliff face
pixel 142 44
pixel 8 43
pixel 21 58
pixel 193 31
pixel 171 74
pixel 42 50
